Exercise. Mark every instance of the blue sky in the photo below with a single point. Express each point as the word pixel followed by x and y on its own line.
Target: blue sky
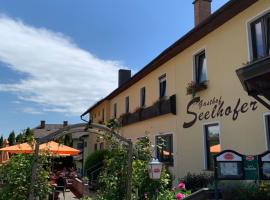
pixel 58 57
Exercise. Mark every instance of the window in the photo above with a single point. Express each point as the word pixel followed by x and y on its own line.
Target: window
pixel 212 144
pixel 200 68
pixel 80 146
pixel 142 97
pixel 95 147
pixel 260 36
pixel 162 86
pixel 127 104
pixel 101 146
pixel 115 110
pixel 103 115
pixel 164 149
pixel 85 144
pixel 267 129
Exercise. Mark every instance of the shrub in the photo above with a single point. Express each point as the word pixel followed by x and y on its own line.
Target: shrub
pixel 195 182
pixel 114 175
pixel 95 159
pixel 239 190
pixel 180 192
pixel 17 176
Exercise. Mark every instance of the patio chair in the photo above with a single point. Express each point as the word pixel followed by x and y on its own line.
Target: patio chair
pixel 60 187
pixel 69 183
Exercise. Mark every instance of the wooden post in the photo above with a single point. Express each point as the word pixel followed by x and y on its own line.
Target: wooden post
pixel 34 172
pixel 129 171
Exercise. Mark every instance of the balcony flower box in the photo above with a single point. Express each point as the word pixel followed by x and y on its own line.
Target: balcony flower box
pixel 193 87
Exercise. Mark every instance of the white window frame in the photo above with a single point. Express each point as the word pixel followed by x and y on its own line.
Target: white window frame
pixel 194 63
pixel 160 78
pixel 144 96
pixel 174 146
pixel 204 142
pixel 266 126
pixel 248 32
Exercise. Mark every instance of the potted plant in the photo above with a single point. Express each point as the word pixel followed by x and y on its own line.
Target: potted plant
pixel 193 87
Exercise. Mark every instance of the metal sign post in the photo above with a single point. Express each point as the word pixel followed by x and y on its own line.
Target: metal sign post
pixel 228 166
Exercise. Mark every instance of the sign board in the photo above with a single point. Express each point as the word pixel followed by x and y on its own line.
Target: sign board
pixel 251 167
pixel 229 165
pixel 264 166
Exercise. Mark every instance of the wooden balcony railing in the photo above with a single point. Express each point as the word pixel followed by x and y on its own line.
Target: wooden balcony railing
pixel 161 107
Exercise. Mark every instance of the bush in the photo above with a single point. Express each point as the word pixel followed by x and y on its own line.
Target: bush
pixel 239 190
pixel 114 175
pixel 95 159
pixel 195 182
pixel 16 174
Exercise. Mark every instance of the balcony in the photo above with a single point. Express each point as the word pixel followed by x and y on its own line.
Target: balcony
pixel 161 107
pixel 255 79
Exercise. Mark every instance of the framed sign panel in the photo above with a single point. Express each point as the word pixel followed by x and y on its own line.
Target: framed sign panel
pixel 264 166
pixel 229 165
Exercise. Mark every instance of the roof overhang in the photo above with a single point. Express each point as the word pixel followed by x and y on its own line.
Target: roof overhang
pixel 214 21
pixel 255 79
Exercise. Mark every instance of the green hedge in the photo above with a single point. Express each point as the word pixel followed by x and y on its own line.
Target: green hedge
pixel 95 158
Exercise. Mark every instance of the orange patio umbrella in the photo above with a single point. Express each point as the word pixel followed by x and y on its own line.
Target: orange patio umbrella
pixel 215 148
pixel 51 147
pixel 4 156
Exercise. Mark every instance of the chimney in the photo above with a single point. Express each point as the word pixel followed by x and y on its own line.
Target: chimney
pixel 123 76
pixel 202 10
pixel 65 123
pixel 42 123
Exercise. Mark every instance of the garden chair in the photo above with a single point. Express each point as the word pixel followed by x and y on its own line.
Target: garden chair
pixel 60 187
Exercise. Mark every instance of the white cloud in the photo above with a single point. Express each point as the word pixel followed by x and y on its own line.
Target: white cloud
pixel 32 111
pixel 61 77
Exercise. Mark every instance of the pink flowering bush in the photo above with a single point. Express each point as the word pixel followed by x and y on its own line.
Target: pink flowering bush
pixel 179 193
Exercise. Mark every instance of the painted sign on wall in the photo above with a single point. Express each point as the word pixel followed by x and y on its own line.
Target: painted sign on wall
pixel 218 108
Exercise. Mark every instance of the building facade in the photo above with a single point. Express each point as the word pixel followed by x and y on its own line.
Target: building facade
pixel 190 95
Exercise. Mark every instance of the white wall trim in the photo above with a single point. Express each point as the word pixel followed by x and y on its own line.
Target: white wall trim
pixel 204 141
pixel 248 31
pixel 193 61
pixel 266 126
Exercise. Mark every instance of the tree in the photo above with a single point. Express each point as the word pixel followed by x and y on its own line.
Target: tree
pixel 25 136
pixel 19 138
pixel 12 138
pixel 28 135
pixel 1 141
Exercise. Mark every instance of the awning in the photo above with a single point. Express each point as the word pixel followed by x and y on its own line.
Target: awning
pixel 215 148
pixel 51 147
pixel 255 79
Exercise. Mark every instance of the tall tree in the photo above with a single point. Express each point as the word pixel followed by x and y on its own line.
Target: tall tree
pixel 19 138
pixel 28 135
pixel 12 138
pixel 1 141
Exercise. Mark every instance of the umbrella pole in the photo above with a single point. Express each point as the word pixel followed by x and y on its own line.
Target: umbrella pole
pixel 34 172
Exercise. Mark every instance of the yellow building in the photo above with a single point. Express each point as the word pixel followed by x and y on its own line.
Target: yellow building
pixel 190 94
